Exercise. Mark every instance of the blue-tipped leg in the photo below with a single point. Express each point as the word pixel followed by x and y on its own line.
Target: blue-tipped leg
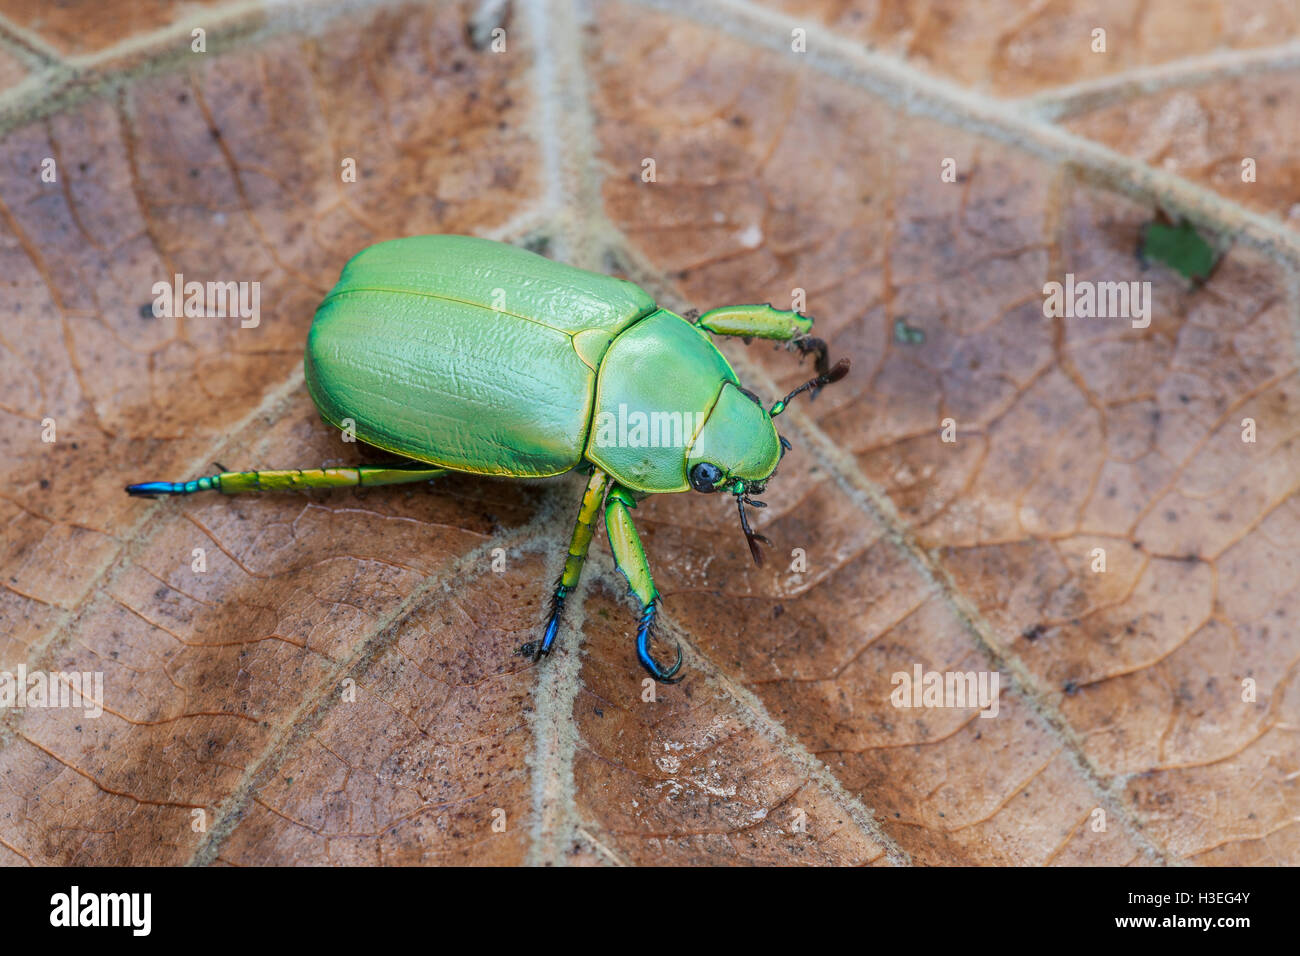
pixel 553 623
pixel 643 634
pixel 147 489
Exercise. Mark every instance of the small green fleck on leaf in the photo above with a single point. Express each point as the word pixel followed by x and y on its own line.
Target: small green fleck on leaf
pixel 1180 247
pixel 904 334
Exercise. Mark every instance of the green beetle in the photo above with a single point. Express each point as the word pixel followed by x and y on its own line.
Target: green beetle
pixel 463 354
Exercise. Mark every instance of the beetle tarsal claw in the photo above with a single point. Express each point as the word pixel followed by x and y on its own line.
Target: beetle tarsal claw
pixel 668 678
pixel 644 633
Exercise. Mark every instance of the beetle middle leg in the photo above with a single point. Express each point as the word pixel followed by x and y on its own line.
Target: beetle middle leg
pixel 578 547
pixel 631 560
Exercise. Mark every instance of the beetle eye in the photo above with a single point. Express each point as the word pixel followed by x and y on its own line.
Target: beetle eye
pixel 704 476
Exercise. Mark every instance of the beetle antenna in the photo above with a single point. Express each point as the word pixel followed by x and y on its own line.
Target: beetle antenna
pixel 750 537
pixel 826 378
pixel 811 344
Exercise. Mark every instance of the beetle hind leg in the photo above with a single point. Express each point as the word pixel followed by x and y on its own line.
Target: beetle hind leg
pixel 236 482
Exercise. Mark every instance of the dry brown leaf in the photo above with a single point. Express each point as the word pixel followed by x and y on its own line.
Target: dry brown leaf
pixel 342 683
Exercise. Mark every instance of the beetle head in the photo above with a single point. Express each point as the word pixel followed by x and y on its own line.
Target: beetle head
pixel 737 448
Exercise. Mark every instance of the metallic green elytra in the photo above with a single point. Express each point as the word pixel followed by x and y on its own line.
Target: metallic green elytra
pixel 462 354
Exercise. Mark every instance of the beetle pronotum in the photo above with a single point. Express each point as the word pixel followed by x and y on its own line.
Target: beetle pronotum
pixel 463 354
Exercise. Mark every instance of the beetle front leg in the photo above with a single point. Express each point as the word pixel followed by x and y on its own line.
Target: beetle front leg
pixel 578 547
pixel 765 322
pixel 631 560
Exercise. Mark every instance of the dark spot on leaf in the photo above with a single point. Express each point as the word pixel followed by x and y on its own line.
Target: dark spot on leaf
pixel 538 242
